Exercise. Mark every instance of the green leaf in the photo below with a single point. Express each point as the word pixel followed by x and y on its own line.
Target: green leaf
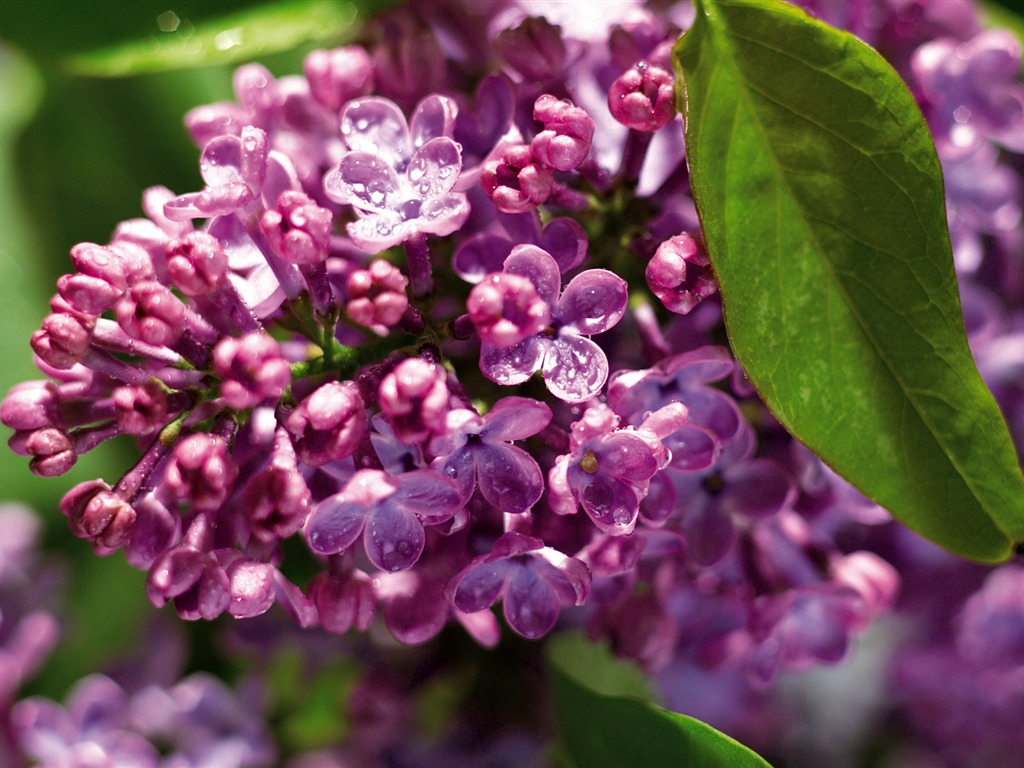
pixel 613 731
pixel 820 195
pixel 176 43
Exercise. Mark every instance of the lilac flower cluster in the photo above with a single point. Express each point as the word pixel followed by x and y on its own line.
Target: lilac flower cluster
pixel 148 719
pixel 441 311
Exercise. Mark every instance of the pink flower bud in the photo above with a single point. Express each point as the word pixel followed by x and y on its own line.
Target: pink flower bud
pixel 516 182
pixel 201 471
pixel 415 397
pixel 339 75
pixel 299 231
pixel 196 263
pixel 377 295
pixel 63 339
pixel 568 130
pixel 53 452
pixel 149 312
pixel 643 98
pixel 679 274
pixel 252 369
pixel 329 424
pixel 506 309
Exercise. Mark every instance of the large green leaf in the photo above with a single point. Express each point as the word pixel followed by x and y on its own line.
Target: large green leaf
pixel 820 196
pixel 605 725
pixel 176 43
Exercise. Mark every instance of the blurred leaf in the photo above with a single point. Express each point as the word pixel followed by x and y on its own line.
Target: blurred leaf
pixel 237 37
pixel 601 730
pixel 820 196
pixel 1003 14
pixel 577 656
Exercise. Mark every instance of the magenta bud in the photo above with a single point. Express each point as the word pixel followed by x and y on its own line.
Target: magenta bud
pixel 506 308
pixel 680 275
pixel 201 471
pixel 643 98
pixel 516 182
pixel 142 409
pixel 377 294
pixel 329 424
pixel 299 231
pixel 28 406
pixel 252 369
pixel 568 130
pixel 63 339
pixel 415 398
pixel 53 452
pixel 196 263
pixel 151 313
pixel 339 75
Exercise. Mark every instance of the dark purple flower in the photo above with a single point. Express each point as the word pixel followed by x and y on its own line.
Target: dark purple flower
pixel 608 469
pixel 389 512
pixel 533 581
pixel 574 368
pixel 477 450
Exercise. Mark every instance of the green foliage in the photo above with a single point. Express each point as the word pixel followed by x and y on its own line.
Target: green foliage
pixel 820 196
pixel 256 31
pixel 605 725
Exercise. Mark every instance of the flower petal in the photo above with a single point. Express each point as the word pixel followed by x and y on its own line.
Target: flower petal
pixel 478 586
pixel 429 494
pixel 531 605
pixel 394 537
pixel 433 117
pixel 435 168
pixel 377 126
pixel 509 477
pixel 574 368
pixel 515 364
pixel 537 265
pixel 593 301
pixel 365 181
pixel 515 418
pixel 335 523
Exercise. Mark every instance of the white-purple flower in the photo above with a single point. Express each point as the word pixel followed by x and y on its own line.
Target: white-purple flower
pixel 398 176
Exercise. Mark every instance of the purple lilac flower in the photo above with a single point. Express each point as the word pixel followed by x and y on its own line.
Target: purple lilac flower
pixel 389 513
pixel 609 469
pixel 477 450
pixel 574 368
pixel 532 580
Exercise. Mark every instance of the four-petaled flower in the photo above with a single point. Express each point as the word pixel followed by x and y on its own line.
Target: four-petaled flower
pixel 398 177
pixel 574 368
pixel 388 511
